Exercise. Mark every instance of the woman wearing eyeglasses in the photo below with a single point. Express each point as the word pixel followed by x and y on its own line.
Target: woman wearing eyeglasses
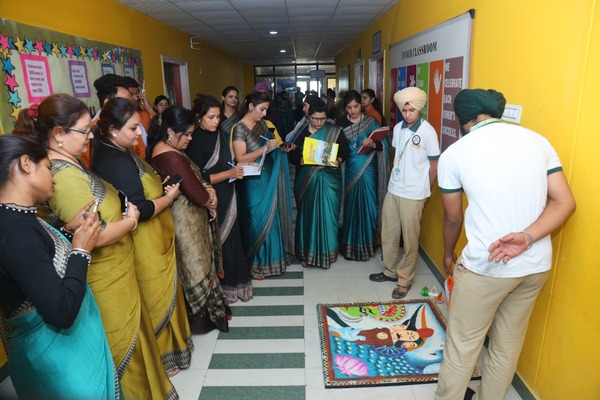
pixel 318 192
pixel 264 200
pixel 61 123
pixel 366 177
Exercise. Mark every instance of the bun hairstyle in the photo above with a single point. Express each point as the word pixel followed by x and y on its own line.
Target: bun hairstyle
pixel 177 118
pixel 12 147
pixel 38 121
pixel 254 98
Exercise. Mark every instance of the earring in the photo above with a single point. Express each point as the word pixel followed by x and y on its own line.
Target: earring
pixel 60 143
pixel 169 138
pixel 114 135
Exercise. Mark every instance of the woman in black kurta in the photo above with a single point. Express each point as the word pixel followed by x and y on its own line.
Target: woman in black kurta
pixel 210 151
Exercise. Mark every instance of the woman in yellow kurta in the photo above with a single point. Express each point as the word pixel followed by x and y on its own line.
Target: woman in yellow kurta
pixel 154 240
pixel 62 124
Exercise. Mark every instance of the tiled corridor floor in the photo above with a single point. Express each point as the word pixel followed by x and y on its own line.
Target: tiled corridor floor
pixel 267 356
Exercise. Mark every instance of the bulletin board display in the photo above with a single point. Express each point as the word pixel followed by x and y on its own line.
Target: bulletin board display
pixel 437 61
pixel 37 62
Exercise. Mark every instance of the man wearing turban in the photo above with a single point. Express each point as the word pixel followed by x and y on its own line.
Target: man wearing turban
pixel 413 173
pixel 517 195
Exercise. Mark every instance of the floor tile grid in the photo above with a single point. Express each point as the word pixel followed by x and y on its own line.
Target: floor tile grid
pixel 262 356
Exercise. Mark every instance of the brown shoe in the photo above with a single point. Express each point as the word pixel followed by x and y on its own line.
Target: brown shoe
pixel 400 291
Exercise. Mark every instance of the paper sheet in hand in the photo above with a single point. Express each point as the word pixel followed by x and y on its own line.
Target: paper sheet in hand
pixel 375 136
pixel 319 152
pixel 253 170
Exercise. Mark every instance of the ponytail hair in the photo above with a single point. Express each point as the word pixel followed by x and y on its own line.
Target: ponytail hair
pixel 38 121
pixel 254 98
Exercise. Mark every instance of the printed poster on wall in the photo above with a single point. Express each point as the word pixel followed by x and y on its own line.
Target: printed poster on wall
pixel 437 61
pixel 37 62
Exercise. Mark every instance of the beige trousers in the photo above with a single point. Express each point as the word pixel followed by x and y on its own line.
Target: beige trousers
pixel 480 303
pixel 400 218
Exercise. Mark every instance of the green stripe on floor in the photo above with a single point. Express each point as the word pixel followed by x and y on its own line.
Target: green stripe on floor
pixel 278 291
pixel 257 361
pixel 252 392
pixel 253 311
pixel 274 332
pixel 287 275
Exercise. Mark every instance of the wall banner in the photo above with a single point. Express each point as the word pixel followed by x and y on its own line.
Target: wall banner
pixel 437 61
pixel 37 62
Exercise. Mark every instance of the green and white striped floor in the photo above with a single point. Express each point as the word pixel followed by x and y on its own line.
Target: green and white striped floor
pixel 272 351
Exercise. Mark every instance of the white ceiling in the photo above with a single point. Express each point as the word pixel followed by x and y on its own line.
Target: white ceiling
pixel 309 30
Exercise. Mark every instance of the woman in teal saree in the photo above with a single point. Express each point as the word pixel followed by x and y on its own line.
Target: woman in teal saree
pixel 318 192
pixel 49 321
pixel 264 200
pixel 365 182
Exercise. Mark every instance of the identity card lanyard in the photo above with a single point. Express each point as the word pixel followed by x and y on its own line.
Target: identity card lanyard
pixel 484 123
pixel 397 167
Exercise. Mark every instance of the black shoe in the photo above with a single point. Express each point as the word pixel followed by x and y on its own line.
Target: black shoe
pixel 469 394
pixel 381 277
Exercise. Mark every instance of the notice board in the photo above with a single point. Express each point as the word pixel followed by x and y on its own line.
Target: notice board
pixel 437 61
pixel 37 62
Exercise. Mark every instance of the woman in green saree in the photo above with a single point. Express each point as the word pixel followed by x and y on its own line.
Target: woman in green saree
pixel 318 192
pixel 264 200
pixel 365 182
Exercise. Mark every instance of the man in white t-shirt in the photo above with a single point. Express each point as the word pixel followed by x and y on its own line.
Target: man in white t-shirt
pixel 517 195
pixel 413 173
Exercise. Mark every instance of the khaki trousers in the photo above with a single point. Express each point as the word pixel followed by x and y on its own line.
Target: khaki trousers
pixel 480 303
pixel 400 218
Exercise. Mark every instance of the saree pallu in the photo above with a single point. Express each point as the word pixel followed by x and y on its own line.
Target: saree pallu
pixel 156 271
pixel 112 279
pixel 227 124
pixel 237 281
pixel 265 207
pixel 318 192
pixel 365 183
pixel 46 362
pixel 199 255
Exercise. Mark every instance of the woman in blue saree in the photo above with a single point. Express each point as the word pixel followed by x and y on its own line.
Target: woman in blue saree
pixel 365 182
pixel 318 192
pixel 264 200
pixel 50 322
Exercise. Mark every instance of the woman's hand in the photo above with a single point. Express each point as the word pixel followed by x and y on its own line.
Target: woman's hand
pixel 212 199
pixel 86 235
pixel 272 145
pixel 172 191
pixel 236 172
pixel 368 143
pixel 79 218
pixel 132 212
pixel 287 147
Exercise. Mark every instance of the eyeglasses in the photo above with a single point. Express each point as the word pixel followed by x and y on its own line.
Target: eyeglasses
pixel 318 119
pixel 86 133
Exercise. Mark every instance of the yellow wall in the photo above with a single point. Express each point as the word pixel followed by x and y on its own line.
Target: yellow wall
pixel 545 57
pixel 210 69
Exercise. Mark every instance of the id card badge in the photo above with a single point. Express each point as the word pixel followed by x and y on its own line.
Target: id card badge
pixel 396 174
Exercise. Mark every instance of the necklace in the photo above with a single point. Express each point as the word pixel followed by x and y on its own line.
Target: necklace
pixel 113 145
pixel 69 157
pixel 354 135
